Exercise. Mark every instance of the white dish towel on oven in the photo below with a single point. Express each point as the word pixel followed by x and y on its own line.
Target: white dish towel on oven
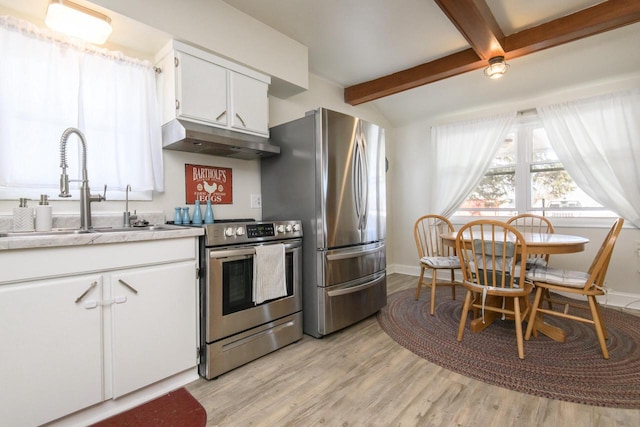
pixel 269 278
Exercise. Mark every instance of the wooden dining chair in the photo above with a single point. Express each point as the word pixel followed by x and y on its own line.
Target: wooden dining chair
pixel 532 223
pixel 492 275
pixel 589 284
pixel 434 255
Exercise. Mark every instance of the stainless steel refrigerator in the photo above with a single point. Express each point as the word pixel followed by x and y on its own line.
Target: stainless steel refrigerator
pixel 330 174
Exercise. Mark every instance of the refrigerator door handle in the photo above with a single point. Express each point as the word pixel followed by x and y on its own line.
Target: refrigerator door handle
pixel 360 183
pixel 364 181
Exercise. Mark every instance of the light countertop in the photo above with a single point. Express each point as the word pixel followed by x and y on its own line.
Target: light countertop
pixel 97 237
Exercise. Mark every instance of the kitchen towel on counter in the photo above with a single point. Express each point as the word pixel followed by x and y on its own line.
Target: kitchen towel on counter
pixel 269 277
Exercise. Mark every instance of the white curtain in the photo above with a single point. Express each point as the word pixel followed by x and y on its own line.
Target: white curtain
pixel 598 142
pixel 458 156
pixel 48 83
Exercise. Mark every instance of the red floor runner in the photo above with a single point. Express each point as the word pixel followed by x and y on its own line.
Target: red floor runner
pixel 177 408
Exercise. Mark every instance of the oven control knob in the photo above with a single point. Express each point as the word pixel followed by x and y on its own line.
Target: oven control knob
pixel 229 232
pixel 289 228
pixel 280 229
pixel 239 231
pixel 296 227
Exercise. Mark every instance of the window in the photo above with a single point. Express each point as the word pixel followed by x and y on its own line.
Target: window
pixel 50 83
pixel 526 176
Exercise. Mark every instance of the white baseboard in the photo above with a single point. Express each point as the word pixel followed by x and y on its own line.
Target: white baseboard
pixel 612 299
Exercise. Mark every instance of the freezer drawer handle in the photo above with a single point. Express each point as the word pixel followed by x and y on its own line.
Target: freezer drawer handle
pixel 354 254
pixel 352 289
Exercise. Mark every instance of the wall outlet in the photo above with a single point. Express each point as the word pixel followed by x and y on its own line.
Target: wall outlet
pixel 256 201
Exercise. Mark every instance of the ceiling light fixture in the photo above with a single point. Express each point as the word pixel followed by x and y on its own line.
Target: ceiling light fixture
pixel 497 67
pixel 78 21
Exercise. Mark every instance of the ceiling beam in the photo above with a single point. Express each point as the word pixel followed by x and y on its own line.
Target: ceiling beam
pixel 602 17
pixel 597 19
pixel 476 23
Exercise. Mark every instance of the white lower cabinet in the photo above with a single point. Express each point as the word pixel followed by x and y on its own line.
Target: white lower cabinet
pixel 50 350
pixel 68 343
pixel 154 331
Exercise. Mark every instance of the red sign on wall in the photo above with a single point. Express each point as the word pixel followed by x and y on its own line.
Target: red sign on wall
pixel 208 183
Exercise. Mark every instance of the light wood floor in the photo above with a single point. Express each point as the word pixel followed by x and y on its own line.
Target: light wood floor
pixel 361 377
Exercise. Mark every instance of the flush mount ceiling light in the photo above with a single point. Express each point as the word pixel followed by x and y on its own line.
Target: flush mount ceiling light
pixel 497 67
pixel 78 21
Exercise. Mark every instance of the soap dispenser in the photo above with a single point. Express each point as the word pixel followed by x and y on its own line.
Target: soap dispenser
pixel 23 217
pixel 44 220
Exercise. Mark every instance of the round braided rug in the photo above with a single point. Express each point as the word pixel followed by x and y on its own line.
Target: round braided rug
pixel 573 371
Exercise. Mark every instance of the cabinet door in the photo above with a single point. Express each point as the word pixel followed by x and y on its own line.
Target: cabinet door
pixel 51 352
pixel 154 330
pixel 201 90
pixel 250 104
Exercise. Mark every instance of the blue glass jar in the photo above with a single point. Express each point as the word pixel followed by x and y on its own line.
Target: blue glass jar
pixel 185 216
pixel 208 213
pixel 177 217
pixel 197 214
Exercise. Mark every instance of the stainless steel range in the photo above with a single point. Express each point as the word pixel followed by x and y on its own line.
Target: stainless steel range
pixel 237 323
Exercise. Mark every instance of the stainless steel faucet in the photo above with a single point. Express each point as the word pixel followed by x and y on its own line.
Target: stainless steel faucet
pixel 85 193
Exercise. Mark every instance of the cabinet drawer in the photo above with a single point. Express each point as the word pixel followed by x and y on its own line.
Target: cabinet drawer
pixel 30 264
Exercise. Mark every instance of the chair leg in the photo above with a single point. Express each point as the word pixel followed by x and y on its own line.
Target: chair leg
pixel 604 329
pixel 420 283
pixel 453 287
pixel 518 319
pixel 547 295
pixel 534 312
pixel 463 316
pixel 434 280
pixel 597 321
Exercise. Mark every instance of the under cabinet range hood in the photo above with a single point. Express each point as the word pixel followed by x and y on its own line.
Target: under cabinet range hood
pixel 184 135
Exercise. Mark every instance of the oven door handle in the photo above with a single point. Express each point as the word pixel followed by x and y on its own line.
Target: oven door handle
pixel 247 250
pixel 231 253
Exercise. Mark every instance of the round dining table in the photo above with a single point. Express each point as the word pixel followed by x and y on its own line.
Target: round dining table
pixel 537 243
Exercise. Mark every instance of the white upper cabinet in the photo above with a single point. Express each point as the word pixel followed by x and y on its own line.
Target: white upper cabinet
pixel 249 103
pixel 201 92
pixel 198 86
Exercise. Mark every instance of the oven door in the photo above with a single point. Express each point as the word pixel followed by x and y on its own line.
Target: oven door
pixel 229 306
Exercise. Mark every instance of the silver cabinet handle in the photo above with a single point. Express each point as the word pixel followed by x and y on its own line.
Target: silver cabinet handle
pixel 221 115
pixel 131 288
pixel 84 294
pixel 241 121
pixel 177 104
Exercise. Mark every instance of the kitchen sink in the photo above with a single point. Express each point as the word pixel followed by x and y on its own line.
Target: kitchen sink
pixel 68 231
pixel 156 227
pixel 54 232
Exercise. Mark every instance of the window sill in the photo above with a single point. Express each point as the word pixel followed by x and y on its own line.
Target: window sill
pixel 558 222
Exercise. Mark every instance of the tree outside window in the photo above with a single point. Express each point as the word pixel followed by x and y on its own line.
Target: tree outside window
pixel 527 176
